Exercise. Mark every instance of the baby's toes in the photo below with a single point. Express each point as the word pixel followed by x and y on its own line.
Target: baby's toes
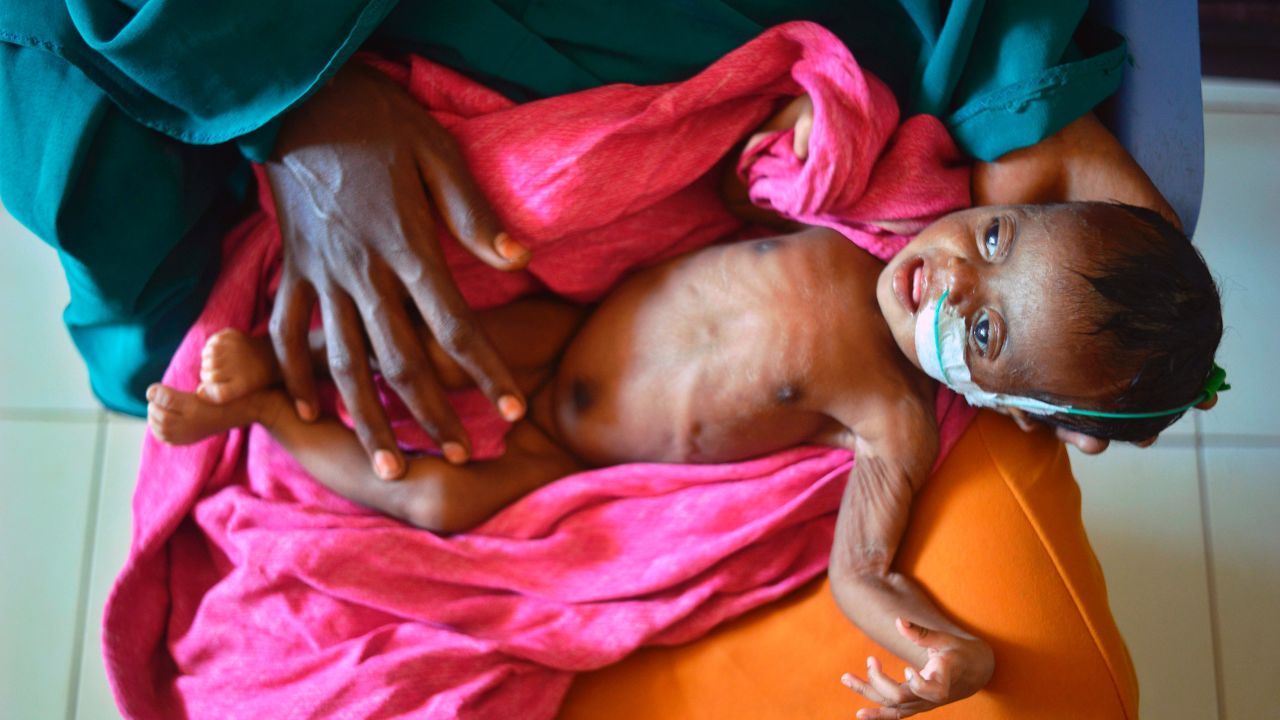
pixel 216 387
pixel 225 366
pixel 164 412
pixel 225 341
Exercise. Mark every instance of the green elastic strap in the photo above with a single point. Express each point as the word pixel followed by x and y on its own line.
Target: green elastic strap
pixel 1214 384
pixel 937 343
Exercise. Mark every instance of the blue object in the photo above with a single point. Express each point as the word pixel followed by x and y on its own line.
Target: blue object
pixel 1158 112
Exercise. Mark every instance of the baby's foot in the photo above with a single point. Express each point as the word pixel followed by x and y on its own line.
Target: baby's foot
pixel 182 418
pixel 233 365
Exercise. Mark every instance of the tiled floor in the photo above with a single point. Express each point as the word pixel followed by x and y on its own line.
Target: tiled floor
pixel 1186 531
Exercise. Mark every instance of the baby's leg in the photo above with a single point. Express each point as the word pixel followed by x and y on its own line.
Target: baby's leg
pixel 434 494
pixel 182 418
pixel 528 334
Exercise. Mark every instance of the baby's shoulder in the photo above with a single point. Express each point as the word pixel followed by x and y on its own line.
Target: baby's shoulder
pixel 879 394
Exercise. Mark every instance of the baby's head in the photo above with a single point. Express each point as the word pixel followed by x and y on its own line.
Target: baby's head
pixel 1096 307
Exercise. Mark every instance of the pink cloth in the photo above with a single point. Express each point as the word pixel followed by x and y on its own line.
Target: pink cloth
pixel 251 591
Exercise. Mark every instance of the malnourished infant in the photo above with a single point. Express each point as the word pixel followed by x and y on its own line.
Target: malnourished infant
pixel 742 349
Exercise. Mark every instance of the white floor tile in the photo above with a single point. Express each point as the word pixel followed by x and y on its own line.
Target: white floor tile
pixel 1182 433
pixel 46 484
pixel 111 546
pixel 39 366
pixel 1238 238
pixel 1244 503
pixel 1142 511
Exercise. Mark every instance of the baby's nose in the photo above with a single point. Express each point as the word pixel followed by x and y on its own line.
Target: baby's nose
pixel 962 281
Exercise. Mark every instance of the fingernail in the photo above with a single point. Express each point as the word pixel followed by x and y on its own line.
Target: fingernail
pixel 846 680
pixel 909 674
pixel 510 407
pixel 386 464
pixel 151 392
pixel 308 413
pixel 508 248
pixel 454 452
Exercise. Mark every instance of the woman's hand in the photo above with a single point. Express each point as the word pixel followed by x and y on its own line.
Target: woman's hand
pixel 956 668
pixel 356 172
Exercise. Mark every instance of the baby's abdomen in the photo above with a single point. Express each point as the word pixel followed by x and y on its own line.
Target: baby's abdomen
pixel 663 372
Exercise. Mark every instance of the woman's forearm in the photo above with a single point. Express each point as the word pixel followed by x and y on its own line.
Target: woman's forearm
pixel 1081 162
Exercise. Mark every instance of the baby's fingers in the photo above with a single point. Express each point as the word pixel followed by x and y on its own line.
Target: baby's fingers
pixel 804 128
pixel 889 689
pixel 880 713
pixel 862 687
pixel 935 688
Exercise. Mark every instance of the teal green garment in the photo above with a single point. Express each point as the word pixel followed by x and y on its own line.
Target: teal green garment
pixel 125 124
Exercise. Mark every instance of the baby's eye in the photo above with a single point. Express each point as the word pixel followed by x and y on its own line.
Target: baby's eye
pixel 991 238
pixel 982 332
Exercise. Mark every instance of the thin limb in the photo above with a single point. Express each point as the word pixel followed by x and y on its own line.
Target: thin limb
pixel 434 494
pixel 528 334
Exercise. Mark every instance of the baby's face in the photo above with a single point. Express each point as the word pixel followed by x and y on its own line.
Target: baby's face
pixel 1008 272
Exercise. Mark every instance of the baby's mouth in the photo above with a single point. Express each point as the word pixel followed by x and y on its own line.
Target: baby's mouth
pixel 910 283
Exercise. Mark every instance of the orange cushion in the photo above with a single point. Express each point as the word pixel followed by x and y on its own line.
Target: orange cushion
pixel 995 538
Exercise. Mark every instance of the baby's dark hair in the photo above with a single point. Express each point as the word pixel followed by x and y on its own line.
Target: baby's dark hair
pixel 1154 316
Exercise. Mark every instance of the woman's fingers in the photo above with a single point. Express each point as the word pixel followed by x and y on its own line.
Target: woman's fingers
pixel 403 363
pixel 464 208
pixel 471 219
pixel 290 325
pixel 458 333
pixel 1087 444
pixel 349 367
pixel 369 240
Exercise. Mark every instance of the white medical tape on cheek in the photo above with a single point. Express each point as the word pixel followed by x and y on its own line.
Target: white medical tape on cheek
pixel 941 336
pixel 940 340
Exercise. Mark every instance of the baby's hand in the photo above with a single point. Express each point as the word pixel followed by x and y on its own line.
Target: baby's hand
pixel 797 115
pixel 957 668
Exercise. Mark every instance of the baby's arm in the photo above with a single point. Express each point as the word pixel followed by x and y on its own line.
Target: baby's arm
pixel 895 451
pixel 797 114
